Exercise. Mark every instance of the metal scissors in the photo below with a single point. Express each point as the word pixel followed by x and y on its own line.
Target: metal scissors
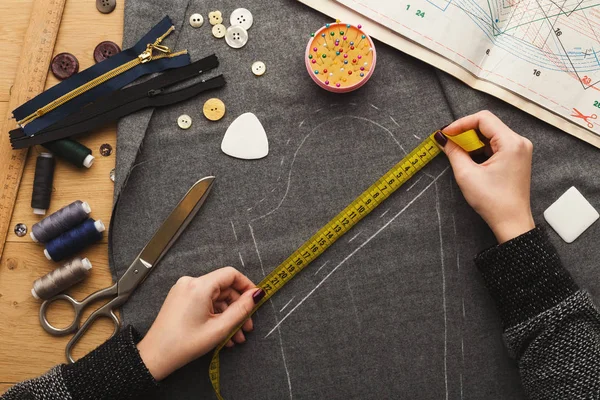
pixel 148 258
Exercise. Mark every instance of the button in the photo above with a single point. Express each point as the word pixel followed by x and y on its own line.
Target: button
pixel 196 20
pixel 64 65
pixel 215 17
pixel 106 6
pixel 241 17
pixel 236 37
pixel 259 68
pixel 20 230
pixel 214 109
pixel 219 30
pixel 105 150
pixel 184 121
pixel 105 50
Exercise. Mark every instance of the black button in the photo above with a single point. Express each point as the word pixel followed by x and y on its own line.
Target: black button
pixel 105 50
pixel 64 65
pixel 106 6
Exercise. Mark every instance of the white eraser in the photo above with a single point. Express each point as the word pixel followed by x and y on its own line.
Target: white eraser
pixel 571 215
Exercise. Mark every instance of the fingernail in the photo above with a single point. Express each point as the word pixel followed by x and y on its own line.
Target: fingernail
pixel 440 138
pixel 258 295
pixel 444 127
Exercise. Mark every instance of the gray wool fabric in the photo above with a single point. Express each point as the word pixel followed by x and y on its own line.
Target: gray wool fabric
pixel 394 309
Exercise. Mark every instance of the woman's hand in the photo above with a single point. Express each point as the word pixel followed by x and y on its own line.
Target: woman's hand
pixel 196 316
pixel 498 189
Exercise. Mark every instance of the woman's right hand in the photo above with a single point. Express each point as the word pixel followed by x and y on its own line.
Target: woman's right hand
pixel 499 188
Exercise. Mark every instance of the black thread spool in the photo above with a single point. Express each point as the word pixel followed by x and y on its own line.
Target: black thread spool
pixel 72 151
pixel 42 183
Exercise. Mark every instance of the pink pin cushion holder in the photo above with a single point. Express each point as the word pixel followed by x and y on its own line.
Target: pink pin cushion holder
pixel 340 57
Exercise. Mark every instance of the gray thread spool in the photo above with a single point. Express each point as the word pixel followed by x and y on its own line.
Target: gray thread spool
pixel 61 278
pixel 61 221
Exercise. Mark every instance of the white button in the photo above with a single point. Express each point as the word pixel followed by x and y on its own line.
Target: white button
pixel 219 30
pixel 241 17
pixel 184 121
pixel 215 17
pixel 236 37
pixel 196 20
pixel 259 68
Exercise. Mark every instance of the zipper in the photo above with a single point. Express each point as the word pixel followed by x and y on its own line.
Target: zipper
pixel 146 56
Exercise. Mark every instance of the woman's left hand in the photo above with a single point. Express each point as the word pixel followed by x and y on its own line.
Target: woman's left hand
pixel 196 316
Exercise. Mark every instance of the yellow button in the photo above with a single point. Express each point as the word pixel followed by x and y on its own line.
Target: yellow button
pixel 214 109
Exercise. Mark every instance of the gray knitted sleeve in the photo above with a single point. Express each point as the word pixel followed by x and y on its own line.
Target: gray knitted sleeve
pixel 552 328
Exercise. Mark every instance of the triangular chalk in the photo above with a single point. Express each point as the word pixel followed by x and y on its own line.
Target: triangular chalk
pixel 246 138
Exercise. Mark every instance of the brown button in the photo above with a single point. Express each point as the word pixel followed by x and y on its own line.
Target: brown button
pixel 106 6
pixel 214 109
pixel 105 50
pixel 64 65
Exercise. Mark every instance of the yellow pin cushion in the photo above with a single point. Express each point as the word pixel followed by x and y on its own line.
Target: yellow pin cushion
pixel 340 57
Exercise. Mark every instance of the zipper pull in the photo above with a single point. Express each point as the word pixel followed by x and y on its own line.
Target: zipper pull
pixel 146 56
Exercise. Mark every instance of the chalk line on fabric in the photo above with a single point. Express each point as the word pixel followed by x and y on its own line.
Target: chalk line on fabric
pixel 385 212
pixel 262 268
pixel 437 209
pixel 411 186
pixel 287 304
pixel 310 293
pixel 354 237
pixel 233 228
pixel 321 267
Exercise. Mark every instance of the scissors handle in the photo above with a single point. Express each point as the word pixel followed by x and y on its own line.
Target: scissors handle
pixel 106 311
pixel 78 307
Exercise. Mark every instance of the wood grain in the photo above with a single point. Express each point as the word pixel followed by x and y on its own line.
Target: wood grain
pixel 26 350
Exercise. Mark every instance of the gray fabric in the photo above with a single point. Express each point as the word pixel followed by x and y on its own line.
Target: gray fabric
pixel 397 312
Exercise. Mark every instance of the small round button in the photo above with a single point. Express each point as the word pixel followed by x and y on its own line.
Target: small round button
pixel 215 17
pixel 64 65
pixel 106 6
pixel 196 20
pixel 184 121
pixel 259 68
pixel 219 31
pixel 105 50
pixel 214 109
pixel 241 17
pixel 236 36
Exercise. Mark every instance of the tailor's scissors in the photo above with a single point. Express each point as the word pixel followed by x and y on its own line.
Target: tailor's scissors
pixel 148 258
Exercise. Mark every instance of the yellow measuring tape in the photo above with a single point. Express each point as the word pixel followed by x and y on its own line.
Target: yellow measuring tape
pixel 343 222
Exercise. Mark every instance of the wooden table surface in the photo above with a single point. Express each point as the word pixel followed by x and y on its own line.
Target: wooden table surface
pixel 26 350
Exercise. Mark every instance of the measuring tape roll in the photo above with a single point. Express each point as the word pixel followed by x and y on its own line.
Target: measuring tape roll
pixel 343 222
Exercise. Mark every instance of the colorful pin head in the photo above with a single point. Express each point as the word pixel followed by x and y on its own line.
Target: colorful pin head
pixel 340 57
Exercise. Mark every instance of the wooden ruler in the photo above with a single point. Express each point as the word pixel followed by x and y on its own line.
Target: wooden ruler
pixel 30 80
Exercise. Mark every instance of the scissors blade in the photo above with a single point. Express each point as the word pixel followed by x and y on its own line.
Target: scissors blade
pixel 176 222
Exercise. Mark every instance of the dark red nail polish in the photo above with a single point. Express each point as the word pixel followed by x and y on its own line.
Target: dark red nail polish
pixel 440 138
pixel 258 295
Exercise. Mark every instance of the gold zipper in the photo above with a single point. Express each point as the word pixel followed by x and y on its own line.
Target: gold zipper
pixel 146 56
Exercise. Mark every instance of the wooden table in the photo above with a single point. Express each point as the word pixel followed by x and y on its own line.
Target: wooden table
pixel 26 350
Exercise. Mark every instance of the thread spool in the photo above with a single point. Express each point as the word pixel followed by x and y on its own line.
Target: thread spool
pixel 61 279
pixel 42 183
pixel 61 221
pixel 74 240
pixel 72 151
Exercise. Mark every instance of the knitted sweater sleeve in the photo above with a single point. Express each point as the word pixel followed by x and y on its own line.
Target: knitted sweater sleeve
pixel 112 371
pixel 551 327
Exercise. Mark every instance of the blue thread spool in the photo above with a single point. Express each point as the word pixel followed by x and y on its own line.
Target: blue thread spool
pixel 74 240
